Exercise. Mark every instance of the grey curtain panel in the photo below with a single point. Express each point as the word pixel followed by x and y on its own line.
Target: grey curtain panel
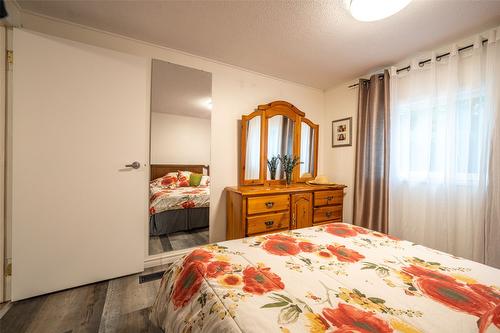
pixel 371 184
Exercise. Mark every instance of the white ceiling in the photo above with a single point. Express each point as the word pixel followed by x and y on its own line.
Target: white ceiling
pixel 180 90
pixel 316 43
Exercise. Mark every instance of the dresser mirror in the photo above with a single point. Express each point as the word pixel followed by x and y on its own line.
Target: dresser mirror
pixel 273 130
pixel 280 134
pixel 308 148
pixel 252 155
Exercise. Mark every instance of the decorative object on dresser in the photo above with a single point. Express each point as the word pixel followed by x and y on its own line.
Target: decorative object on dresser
pixel 277 132
pixel 289 163
pixel 272 164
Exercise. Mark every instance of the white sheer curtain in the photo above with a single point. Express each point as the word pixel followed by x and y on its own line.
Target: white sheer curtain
pixel 492 232
pixel 441 138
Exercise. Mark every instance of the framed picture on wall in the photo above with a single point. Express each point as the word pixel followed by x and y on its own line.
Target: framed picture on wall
pixel 342 132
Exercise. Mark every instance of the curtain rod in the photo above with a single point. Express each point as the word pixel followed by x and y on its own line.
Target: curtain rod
pixel 423 62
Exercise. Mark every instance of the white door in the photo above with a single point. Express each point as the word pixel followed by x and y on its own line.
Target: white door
pixel 80 114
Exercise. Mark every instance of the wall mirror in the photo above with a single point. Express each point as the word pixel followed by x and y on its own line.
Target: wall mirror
pixel 273 130
pixel 179 189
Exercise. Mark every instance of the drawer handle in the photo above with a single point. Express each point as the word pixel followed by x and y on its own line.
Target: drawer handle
pixel 329 198
pixel 328 214
pixel 269 204
pixel 269 224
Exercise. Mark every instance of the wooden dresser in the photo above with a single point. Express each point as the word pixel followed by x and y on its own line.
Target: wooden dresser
pixel 255 210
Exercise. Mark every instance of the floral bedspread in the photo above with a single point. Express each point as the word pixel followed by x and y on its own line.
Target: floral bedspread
pixel 332 278
pixel 162 198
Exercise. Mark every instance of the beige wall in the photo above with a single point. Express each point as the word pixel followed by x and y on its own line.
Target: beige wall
pixel 235 92
pixel 179 140
pixel 341 102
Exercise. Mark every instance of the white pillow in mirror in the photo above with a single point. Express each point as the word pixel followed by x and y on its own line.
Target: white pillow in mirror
pixel 205 180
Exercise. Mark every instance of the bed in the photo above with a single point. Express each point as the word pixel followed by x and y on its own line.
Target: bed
pixel 174 209
pixel 331 278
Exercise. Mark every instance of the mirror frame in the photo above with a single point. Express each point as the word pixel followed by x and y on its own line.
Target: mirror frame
pixel 267 111
pixel 244 131
pixel 315 127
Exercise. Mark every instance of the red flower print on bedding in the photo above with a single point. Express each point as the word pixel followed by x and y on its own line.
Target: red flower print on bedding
pixel 324 254
pixel 183 181
pixel 344 254
pixel 454 295
pixel 187 283
pixel 216 268
pixel 188 204
pixel 340 230
pixel 198 255
pixel 281 248
pixel 281 237
pixel 475 299
pixel 491 294
pixel 492 316
pixel 168 180
pixel 360 230
pixel 345 231
pixel 156 195
pixel 417 271
pixel 308 247
pixel 349 319
pixel 230 280
pixel 260 280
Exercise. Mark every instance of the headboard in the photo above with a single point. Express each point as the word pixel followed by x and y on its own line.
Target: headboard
pixel 160 170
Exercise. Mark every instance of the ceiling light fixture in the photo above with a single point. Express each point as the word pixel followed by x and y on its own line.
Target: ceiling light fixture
pixel 373 10
pixel 208 104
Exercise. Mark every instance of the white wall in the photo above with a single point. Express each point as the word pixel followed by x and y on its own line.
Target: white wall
pixel 235 92
pixel 179 140
pixel 341 102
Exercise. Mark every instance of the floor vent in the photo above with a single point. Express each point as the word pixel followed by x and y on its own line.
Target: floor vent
pixel 151 277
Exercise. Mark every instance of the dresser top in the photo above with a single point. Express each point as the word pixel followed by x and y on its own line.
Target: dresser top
pixel 276 189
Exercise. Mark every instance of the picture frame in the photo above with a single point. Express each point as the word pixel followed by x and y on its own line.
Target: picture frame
pixel 342 132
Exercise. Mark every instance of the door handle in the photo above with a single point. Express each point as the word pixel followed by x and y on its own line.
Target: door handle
pixel 134 165
pixel 269 224
pixel 328 214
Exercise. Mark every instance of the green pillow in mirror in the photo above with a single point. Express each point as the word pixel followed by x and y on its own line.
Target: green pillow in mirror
pixel 195 179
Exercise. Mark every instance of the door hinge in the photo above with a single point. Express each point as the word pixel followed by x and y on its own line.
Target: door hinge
pixel 8 269
pixel 10 56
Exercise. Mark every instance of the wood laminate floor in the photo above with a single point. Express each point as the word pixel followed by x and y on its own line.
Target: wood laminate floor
pixel 178 241
pixel 118 305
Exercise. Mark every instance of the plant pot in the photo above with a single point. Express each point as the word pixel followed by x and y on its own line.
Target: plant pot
pixel 273 174
pixel 288 178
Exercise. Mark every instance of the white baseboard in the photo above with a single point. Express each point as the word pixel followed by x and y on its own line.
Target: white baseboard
pixel 164 258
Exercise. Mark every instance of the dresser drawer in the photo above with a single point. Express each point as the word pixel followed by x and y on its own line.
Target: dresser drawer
pixel 268 222
pixel 327 213
pixel 269 203
pixel 327 222
pixel 324 198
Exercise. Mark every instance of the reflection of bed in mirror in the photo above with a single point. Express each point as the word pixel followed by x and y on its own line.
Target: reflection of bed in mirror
pixel 173 208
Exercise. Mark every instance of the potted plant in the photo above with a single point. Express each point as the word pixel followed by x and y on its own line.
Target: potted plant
pixel 288 163
pixel 272 164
